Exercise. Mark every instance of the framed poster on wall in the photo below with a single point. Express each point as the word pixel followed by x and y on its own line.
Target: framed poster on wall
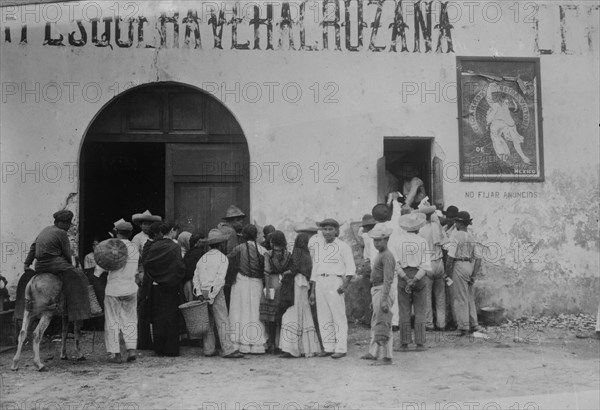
pixel 500 121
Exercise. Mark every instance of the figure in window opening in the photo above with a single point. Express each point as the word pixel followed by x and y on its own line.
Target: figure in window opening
pixel 502 125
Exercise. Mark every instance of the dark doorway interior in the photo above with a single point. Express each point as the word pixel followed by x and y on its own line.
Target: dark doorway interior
pixel 120 179
pixel 166 147
pixel 407 157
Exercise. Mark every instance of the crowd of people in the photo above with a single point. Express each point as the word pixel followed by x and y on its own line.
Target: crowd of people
pixel 265 296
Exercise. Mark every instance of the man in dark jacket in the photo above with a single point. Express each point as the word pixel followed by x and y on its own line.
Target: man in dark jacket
pixel 52 253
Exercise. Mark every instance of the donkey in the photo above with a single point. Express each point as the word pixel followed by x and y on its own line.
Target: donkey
pixel 44 299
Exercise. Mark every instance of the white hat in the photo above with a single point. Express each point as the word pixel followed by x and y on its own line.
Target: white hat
pixel 380 231
pixel 412 222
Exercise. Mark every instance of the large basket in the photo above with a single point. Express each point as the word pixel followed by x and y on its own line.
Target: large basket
pixel 111 254
pixel 195 314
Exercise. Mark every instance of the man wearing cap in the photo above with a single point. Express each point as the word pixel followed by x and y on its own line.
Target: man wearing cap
pixel 412 264
pixel 434 280
pixel 208 282
pixel 463 266
pixel 52 253
pixel 333 268
pixel 382 296
pixel 120 300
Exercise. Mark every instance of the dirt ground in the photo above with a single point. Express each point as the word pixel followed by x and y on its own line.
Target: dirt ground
pixel 549 368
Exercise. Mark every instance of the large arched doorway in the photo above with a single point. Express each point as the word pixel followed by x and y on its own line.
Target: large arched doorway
pixel 169 148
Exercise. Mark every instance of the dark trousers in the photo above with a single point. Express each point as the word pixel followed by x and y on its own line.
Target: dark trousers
pixel 75 286
pixel 165 320
pixel 406 303
pixel 144 340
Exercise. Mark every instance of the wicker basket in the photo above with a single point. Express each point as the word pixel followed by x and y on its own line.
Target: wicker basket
pixel 195 314
pixel 111 254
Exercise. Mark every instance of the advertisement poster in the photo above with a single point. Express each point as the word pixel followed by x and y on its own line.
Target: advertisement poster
pixel 500 130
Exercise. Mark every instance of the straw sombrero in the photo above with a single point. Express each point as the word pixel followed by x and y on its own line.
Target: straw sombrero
pixel 380 231
pixel 214 236
pixel 233 212
pixel 111 254
pixel 123 225
pixel 145 217
pixel 412 222
pixel 306 227
pixel 367 220
pixel 426 209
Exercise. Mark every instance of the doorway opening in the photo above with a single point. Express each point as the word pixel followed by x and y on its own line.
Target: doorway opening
pixel 169 148
pixel 405 158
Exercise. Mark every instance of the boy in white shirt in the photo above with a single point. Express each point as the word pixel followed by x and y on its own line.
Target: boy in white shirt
pixel 209 279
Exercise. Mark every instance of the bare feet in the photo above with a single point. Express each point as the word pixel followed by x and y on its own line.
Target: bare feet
pixel 131 355
pixel 115 358
pixel 385 362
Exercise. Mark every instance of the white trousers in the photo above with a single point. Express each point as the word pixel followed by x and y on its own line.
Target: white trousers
pixel 120 317
pixel 395 309
pixel 331 314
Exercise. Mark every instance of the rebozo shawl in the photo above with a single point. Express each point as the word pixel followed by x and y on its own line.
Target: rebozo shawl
pixel 163 262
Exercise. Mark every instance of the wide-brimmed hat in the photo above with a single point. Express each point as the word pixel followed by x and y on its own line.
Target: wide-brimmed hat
pixel 123 225
pixel 381 213
pixel 367 220
pixel 464 217
pixel 307 227
pixel 63 215
pixel 412 222
pixel 380 231
pixel 214 236
pixel 145 217
pixel 426 208
pixel 450 212
pixel 111 254
pixel 233 212
pixel 329 222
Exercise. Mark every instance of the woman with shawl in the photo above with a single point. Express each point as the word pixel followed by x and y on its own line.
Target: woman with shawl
pixel 165 270
pixel 183 240
pixel 248 332
pixel 277 264
pixel 298 333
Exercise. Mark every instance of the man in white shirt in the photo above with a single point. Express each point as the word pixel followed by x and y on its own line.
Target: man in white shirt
pixel 209 279
pixel 144 221
pixel 333 269
pixel 435 288
pixel 120 300
pixel 412 264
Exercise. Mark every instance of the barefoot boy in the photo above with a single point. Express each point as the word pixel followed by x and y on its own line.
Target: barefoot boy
pixel 383 295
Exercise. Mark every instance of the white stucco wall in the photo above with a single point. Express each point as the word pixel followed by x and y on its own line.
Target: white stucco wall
pixel 43 132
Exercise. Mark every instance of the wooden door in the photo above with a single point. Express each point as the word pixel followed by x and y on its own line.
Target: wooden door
pixel 202 180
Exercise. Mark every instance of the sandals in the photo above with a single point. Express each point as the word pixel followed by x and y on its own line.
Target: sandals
pixel 234 355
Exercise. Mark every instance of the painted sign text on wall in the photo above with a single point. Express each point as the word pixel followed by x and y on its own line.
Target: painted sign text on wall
pixel 310 25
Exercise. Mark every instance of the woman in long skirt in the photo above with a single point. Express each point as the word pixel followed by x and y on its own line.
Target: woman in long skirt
pixel 277 262
pixel 247 331
pixel 298 333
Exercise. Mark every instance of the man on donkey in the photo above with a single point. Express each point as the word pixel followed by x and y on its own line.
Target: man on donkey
pixel 52 253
